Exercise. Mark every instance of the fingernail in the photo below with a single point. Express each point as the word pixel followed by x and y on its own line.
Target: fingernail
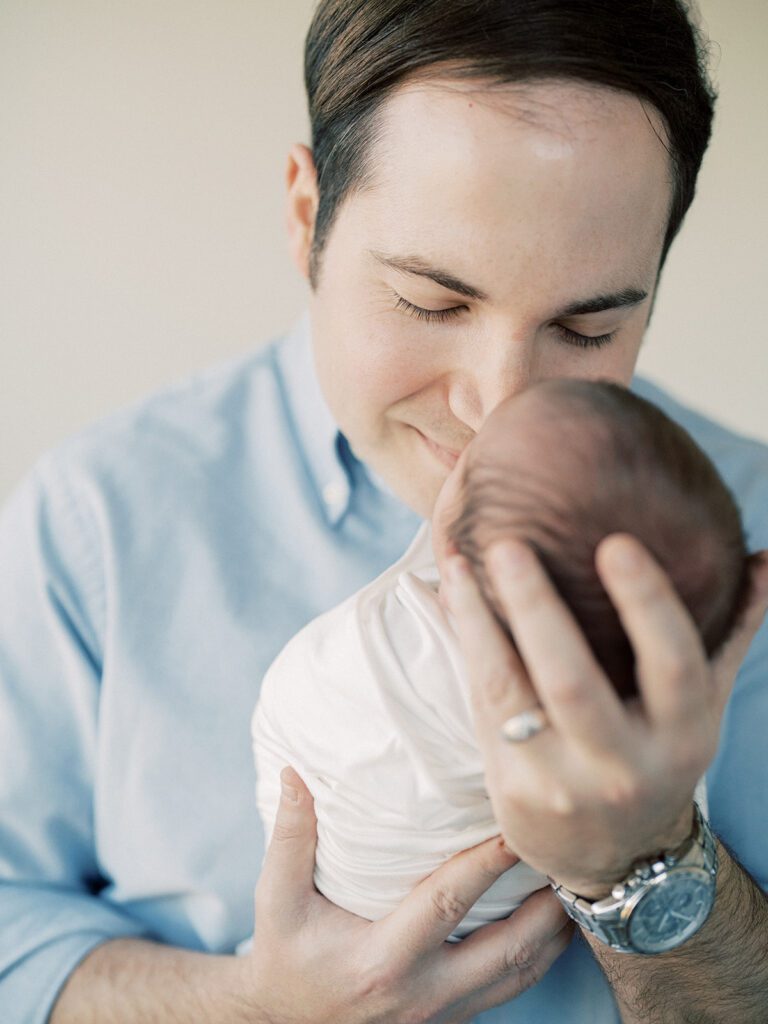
pixel 625 556
pixel 289 792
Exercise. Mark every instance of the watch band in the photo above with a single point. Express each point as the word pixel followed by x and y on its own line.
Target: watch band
pixel 612 933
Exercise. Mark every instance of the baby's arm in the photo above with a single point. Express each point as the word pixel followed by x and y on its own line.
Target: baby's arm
pixel 364 704
pixel 319 712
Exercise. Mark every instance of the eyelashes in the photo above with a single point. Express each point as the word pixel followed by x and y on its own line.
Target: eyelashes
pixel 584 340
pixel 442 315
pixel 427 314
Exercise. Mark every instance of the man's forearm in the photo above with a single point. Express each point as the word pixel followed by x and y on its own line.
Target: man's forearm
pixel 720 976
pixel 130 981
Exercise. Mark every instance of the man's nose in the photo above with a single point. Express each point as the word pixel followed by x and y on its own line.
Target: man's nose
pixel 487 373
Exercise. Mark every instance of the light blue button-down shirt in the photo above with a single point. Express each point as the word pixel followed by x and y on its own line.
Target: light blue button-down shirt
pixel 150 569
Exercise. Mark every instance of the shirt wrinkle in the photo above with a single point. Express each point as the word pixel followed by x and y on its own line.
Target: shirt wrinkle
pixel 88 562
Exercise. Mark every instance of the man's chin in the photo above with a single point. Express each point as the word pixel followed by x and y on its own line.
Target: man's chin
pixel 409 480
pixel 405 465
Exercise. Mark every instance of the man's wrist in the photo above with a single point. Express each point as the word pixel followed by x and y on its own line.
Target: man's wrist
pixel 636 916
pixel 245 991
pixel 590 888
pixel 720 975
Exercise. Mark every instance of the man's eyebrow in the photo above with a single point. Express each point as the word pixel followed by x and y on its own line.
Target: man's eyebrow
pixel 416 265
pixel 581 307
pixel 599 303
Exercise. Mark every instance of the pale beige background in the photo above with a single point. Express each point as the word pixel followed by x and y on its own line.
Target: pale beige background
pixel 142 148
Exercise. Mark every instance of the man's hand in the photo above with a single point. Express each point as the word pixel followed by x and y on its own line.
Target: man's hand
pixel 313 961
pixel 607 782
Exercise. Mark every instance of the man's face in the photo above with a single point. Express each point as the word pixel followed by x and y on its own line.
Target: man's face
pixel 541 212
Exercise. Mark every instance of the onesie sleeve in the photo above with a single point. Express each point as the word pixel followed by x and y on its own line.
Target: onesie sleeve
pixel 51 618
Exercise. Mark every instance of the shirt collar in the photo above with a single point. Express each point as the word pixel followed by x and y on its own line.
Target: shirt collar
pixel 320 439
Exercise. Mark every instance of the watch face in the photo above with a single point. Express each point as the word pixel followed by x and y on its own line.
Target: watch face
pixel 671 911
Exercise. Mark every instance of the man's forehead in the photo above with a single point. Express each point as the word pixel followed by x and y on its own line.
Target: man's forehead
pixel 438 172
pixel 487 215
pixel 559 108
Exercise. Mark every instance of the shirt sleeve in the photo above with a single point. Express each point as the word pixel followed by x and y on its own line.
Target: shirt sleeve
pixel 738 778
pixel 51 612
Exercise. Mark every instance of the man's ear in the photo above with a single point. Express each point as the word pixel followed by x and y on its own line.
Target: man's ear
pixel 301 205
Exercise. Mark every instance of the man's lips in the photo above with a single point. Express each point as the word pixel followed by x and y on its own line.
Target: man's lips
pixel 448 456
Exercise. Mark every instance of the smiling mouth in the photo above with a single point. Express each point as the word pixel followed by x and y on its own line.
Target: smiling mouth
pixel 446 456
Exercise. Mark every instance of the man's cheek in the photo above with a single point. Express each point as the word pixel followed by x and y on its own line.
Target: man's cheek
pixel 385 381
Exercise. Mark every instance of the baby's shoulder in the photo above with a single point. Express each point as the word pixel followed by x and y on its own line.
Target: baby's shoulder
pixel 323 642
pixel 345 650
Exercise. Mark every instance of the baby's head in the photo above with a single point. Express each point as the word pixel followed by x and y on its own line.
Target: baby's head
pixel 567 462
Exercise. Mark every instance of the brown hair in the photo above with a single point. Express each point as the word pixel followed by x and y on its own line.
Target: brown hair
pixel 630 468
pixel 358 51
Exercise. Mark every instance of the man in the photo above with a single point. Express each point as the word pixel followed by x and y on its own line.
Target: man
pixel 465 234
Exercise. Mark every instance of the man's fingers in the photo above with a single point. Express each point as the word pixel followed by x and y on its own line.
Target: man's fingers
pixel 734 650
pixel 670 659
pixel 518 981
pixel 507 956
pixel 286 883
pixel 439 902
pixel 579 699
pixel 499 683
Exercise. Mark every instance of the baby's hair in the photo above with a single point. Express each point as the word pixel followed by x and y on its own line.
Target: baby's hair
pixel 619 464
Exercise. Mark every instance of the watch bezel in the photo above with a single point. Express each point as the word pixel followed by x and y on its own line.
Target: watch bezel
pixel 648 888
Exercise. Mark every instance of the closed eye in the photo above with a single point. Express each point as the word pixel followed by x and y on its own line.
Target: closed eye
pixel 570 337
pixel 427 314
pixel 584 340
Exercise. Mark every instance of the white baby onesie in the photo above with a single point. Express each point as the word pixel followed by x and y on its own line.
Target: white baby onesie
pixel 370 705
pixel 369 702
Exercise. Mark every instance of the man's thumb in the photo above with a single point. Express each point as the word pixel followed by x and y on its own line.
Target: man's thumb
pixel 286 879
pixel 292 785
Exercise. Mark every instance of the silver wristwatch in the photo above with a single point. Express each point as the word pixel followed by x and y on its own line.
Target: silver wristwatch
pixel 661 904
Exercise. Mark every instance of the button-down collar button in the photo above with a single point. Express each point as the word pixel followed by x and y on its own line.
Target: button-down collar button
pixel 335 495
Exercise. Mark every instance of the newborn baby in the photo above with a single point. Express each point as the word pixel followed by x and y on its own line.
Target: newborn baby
pixel 370 703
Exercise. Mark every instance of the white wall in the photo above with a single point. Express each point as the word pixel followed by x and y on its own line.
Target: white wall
pixel 142 148
pixel 708 340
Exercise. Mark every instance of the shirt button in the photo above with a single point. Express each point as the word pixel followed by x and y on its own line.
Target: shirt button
pixel 335 494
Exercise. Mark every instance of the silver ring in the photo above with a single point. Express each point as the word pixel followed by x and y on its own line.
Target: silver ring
pixel 527 724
